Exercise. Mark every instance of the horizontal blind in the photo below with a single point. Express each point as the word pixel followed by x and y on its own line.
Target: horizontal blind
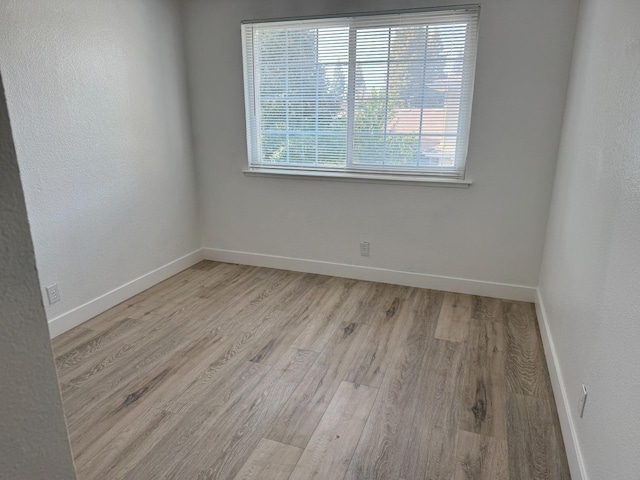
pixel 381 93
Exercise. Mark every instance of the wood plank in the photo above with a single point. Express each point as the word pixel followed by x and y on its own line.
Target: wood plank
pixel 525 367
pixel 133 356
pixel 317 334
pixel 150 300
pixel 182 291
pixel 122 406
pixel 533 448
pixel 122 365
pixel 114 452
pixel 229 363
pixel 183 331
pixel 332 444
pixel 251 326
pixel 230 278
pixel 487 309
pixel 453 322
pixel 272 460
pixel 215 386
pixel 92 346
pixel 227 442
pixel 296 318
pixel 71 340
pixel 206 265
pixel 195 423
pixel 378 349
pixel 481 458
pixel 300 416
pixel 180 336
pixel 246 315
pixel 431 447
pixel 484 392
pixel 385 439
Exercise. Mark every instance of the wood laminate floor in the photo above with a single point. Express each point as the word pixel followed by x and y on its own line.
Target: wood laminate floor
pixel 235 372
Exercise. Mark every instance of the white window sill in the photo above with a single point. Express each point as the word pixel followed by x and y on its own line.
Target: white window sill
pixel 359 177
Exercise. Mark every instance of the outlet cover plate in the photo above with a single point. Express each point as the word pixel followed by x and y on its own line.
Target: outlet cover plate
pixel 53 294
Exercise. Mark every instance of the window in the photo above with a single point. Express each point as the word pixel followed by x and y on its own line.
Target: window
pixel 373 94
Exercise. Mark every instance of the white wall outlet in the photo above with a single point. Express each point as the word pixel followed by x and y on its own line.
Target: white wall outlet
pixel 583 400
pixel 53 294
pixel 364 249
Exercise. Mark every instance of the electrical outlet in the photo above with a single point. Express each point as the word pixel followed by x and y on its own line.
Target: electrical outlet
pixel 364 249
pixel 53 293
pixel 583 400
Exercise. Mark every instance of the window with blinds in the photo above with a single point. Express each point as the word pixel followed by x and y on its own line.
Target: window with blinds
pixel 383 93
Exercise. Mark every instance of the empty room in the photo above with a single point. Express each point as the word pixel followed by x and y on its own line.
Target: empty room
pixel 280 239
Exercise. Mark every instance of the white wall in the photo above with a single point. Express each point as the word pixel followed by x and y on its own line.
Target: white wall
pixel 494 231
pixel 97 101
pixel 591 271
pixel 33 437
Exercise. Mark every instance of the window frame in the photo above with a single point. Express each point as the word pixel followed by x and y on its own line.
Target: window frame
pixel 367 172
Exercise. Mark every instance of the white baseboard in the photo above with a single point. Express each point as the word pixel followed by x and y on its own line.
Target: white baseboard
pixel 574 456
pixel 81 314
pixel 411 279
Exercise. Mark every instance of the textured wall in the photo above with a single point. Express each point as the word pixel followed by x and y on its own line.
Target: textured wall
pixel 494 231
pixel 591 273
pixel 33 435
pixel 97 101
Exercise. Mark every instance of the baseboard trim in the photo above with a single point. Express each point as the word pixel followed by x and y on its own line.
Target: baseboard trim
pixel 574 456
pixel 81 314
pixel 411 279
